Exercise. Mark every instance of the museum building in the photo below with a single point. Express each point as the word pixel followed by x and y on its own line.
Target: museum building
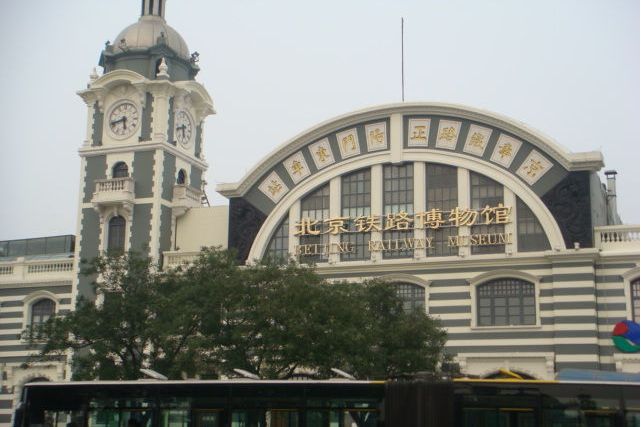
pixel 512 242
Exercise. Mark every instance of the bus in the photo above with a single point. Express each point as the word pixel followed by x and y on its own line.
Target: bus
pixel 328 403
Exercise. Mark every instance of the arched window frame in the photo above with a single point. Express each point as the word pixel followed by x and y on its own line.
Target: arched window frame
pixel 30 300
pixel 182 178
pixel 118 168
pixel 504 274
pixel 465 166
pixel 395 279
pixel 629 277
pixel 104 244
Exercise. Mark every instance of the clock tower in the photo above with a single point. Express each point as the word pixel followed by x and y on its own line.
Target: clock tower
pixel 142 160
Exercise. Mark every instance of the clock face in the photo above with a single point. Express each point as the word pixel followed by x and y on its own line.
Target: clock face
pixel 184 128
pixel 123 120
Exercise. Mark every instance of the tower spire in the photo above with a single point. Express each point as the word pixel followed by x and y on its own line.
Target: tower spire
pixel 153 8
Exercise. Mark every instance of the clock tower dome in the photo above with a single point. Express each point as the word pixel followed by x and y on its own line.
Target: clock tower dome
pixel 142 160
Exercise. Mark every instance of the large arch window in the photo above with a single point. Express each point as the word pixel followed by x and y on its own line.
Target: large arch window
pixel 356 192
pixel 116 234
pixel 504 302
pixel 398 196
pixel 120 170
pixel 531 236
pixel 634 294
pixel 315 206
pixel 278 248
pixel 442 194
pixel 486 192
pixel 413 296
pixel 41 311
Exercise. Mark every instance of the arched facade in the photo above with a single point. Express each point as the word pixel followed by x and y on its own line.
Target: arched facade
pixel 467 205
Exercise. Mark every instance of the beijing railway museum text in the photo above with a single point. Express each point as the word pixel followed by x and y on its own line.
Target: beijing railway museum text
pixel 433 219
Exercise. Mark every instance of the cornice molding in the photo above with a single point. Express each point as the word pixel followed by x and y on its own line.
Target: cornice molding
pixel 592 161
pixel 86 151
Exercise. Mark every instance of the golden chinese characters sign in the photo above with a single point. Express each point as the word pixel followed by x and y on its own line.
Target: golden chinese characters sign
pixel 402 221
pixel 434 219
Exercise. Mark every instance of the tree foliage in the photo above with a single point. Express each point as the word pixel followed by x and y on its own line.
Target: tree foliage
pixel 213 316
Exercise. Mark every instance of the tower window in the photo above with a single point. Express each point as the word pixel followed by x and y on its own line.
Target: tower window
pixel 116 234
pixel 182 177
pixel 120 170
pixel 41 311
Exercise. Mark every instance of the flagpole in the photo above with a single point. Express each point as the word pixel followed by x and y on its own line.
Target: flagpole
pixel 402 60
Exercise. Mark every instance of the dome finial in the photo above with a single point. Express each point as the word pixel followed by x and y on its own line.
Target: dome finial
pixel 162 69
pixel 153 8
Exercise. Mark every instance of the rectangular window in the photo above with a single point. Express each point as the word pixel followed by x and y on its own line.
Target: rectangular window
pixel 315 207
pixel 398 196
pixel 355 202
pixel 505 302
pixel 531 236
pixel 442 195
pixel 486 192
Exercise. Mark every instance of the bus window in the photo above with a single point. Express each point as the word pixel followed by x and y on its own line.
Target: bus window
pixel 119 418
pixel 320 418
pixel 174 418
pixel 360 418
pixel 499 417
pixel 598 418
pixel 204 418
pixel 282 418
pixel 632 418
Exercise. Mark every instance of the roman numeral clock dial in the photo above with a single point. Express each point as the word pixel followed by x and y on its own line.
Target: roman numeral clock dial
pixel 184 128
pixel 123 120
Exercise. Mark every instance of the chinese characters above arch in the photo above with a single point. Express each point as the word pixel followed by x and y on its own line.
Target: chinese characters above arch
pixel 401 221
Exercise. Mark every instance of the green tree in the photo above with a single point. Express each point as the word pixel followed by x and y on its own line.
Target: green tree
pixel 132 323
pixel 213 316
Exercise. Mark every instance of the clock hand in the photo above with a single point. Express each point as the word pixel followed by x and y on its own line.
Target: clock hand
pixel 114 122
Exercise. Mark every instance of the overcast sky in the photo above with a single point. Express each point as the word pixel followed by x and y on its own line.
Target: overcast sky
pixel 275 68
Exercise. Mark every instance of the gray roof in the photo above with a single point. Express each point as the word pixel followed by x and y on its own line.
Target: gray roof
pixel 146 33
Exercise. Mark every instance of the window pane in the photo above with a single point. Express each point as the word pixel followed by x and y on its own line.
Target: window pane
pixel 278 248
pixel 531 236
pixel 504 301
pixel 413 296
pixel 356 201
pixel 42 311
pixel 442 195
pixel 315 207
pixel 486 192
pixel 116 241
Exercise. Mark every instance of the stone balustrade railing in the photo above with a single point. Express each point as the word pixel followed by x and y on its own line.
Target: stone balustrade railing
pixel 177 259
pixel 185 192
pixel 617 237
pixel 114 185
pixel 21 269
